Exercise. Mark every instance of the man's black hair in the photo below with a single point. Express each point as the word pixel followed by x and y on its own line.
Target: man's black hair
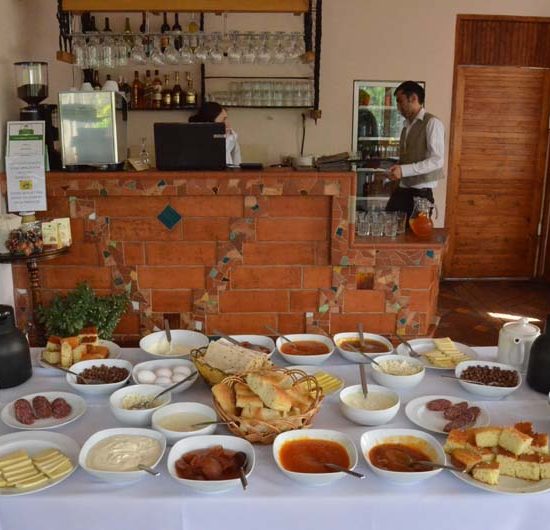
pixel 409 88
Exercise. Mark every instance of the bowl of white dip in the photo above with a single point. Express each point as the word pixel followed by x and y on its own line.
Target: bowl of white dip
pixel 113 455
pixel 380 406
pixel 399 372
pixel 183 341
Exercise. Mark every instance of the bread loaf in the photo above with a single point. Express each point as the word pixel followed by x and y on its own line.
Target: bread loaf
pixel 272 396
pixel 225 397
pixel 245 397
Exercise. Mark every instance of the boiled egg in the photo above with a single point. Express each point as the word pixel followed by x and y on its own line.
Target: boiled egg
pixel 178 377
pixel 163 381
pixel 146 376
pixel 163 372
pixel 183 370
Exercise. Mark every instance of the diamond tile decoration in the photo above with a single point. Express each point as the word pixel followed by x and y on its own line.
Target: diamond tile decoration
pixel 169 217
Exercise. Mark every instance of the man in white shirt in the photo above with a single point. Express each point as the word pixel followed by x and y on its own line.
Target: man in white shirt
pixel 421 150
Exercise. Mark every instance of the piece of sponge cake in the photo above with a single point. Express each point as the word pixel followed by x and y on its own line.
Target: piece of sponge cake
pixel 457 439
pixel 544 466
pixel 487 436
pixel 507 462
pixel 514 441
pixel 487 472
pixel 540 443
pixel 528 467
pixel 465 459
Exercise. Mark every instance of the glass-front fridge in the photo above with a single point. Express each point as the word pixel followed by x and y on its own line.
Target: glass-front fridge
pixel 377 127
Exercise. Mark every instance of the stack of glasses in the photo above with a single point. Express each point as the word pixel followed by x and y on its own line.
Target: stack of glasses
pixel 379 223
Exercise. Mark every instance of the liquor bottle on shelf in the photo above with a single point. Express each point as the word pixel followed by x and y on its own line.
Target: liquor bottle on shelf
pixel 163 29
pixel 137 92
pixel 128 33
pixel 157 91
pixel 125 88
pixel 93 27
pixel 192 27
pixel 166 94
pixel 190 94
pixel 178 40
pixel 107 26
pixel 96 83
pixel 148 91
pixel 143 27
pixel 177 93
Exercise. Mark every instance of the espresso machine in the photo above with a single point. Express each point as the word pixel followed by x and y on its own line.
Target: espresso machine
pixel 31 79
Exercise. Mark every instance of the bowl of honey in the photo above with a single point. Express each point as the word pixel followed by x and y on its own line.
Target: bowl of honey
pixel 349 347
pixel 305 348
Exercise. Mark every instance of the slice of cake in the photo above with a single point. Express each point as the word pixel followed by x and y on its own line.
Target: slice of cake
pixel 487 436
pixel 465 459
pixel 514 441
pixel 539 444
pixel 526 427
pixel 487 472
pixel 53 344
pixel 457 439
pixel 544 465
pixel 52 357
pixel 528 467
pixel 507 462
pixel 89 336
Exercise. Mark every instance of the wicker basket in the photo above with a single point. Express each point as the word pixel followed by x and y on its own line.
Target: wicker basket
pixel 211 375
pixel 264 432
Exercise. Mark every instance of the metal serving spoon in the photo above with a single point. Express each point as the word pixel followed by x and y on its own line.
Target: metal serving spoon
pixel 149 470
pixel 78 376
pixel 242 459
pixel 343 469
pixel 226 337
pixel 414 353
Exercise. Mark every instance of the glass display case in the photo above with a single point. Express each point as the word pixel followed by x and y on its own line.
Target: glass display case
pixel 377 127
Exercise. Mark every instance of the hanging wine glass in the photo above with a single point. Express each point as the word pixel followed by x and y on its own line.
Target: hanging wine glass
pixel 296 47
pixel 186 53
pixel 157 57
pixel 122 52
pixel 215 52
pixel 249 51
pixel 79 51
pixel 279 53
pixel 93 53
pixel 234 52
pixel 263 55
pixel 201 51
pixel 171 55
pixel 137 53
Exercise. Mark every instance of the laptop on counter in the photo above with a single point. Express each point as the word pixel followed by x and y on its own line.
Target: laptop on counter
pixel 190 146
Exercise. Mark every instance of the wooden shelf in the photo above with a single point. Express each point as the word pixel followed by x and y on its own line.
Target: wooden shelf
pixel 204 6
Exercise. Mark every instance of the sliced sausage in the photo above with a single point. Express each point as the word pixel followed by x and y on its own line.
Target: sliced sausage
pixel 452 413
pixel 42 407
pixel 23 412
pixel 475 411
pixel 438 404
pixel 60 408
pixel 459 423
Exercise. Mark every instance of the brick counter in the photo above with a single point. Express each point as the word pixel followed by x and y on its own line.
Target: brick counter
pixel 250 249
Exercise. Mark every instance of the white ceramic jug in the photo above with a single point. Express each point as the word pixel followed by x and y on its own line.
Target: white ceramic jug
pixel 514 343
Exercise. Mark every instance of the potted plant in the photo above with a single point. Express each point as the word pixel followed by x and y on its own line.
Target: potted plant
pixel 66 315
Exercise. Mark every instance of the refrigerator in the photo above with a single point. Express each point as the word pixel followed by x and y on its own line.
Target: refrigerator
pixel 377 127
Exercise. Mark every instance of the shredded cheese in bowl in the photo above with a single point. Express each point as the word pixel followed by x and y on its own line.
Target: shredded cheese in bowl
pixel 398 367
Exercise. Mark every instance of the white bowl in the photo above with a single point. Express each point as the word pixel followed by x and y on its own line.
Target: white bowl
pixel 193 443
pixel 369 417
pixel 138 417
pixel 183 408
pixel 355 357
pixel 100 389
pixel 306 359
pixel 314 479
pixel 165 363
pixel 428 443
pixel 398 382
pixel 486 390
pixel 260 340
pixel 188 340
pixel 119 476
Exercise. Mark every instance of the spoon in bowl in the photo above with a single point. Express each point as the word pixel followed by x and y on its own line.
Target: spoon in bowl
pixel 343 470
pixel 275 332
pixel 242 459
pixel 168 333
pixel 149 470
pixel 408 461
pixel 145 403
pixel 226 337
pixel 86 380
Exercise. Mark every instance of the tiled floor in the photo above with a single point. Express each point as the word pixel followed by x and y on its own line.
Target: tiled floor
pixel 464 308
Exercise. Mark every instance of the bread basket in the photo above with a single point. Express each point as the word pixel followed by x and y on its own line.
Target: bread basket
pixel 264 432
pixel 211 375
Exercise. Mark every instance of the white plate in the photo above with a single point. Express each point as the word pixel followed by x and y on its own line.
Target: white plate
pixel 78 406
pixel 34 442
pixel 312 370
pixel 507 485
pixel 426 345
pixel 433 420
pixel 114 353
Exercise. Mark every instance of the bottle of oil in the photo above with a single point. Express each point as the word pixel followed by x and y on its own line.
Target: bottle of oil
pixel 190 94
pixel 166 94
pixel 178 97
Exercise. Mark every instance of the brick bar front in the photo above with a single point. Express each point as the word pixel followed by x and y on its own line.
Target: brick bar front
pixel 234 251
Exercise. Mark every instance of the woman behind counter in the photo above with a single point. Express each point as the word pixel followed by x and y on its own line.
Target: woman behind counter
pixel 214 113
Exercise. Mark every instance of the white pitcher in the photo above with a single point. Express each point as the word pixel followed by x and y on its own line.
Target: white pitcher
pixel 514 343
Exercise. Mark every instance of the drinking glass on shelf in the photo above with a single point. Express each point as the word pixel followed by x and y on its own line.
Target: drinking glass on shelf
pixel 279 53
pixel 107 51
pixel 390 224
pixel 377 224
pixel 401 222
pixel 79 51
pixel 264 51
pixel 363 224
pixel 93 53
pixel 215 52
pixel 201 51
pixel 249 51
pixel 137 53
pixel 296 47
pixel 277 96
pixel 186 53
pixel 122 52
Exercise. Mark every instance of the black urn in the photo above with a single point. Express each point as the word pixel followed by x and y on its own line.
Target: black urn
pixel 15 355
pixel 538 370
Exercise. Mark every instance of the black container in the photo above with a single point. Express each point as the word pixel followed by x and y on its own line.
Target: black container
pixel 538 371
pixel 15 355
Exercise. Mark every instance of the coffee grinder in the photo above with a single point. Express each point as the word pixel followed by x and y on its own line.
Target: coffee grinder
pixel 31 79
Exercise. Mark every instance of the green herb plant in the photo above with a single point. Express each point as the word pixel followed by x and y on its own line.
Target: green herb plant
pixel 66 315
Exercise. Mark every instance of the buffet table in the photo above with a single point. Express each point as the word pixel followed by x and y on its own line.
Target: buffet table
pixel 272 500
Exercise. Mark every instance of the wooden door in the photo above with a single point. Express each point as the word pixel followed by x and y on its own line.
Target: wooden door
pixel 496 170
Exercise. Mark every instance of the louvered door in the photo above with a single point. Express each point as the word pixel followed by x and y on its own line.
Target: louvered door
pixel 496 170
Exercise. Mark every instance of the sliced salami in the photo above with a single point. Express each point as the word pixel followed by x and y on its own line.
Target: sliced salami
pixel 475 411
pixel 23 412
pixel 438 404
pixel 454 412
pixel 42 407
pixel 60 408
pixel 459 423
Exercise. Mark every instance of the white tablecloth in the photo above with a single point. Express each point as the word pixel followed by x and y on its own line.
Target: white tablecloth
pixel 272 500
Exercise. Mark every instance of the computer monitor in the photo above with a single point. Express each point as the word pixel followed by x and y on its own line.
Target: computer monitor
pixel 180 146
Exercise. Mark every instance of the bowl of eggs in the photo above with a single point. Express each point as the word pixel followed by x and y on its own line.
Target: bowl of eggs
pixel 164 372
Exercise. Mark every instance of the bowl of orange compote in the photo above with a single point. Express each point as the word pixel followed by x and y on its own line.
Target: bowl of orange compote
pixel 305 348
pixel 302 455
